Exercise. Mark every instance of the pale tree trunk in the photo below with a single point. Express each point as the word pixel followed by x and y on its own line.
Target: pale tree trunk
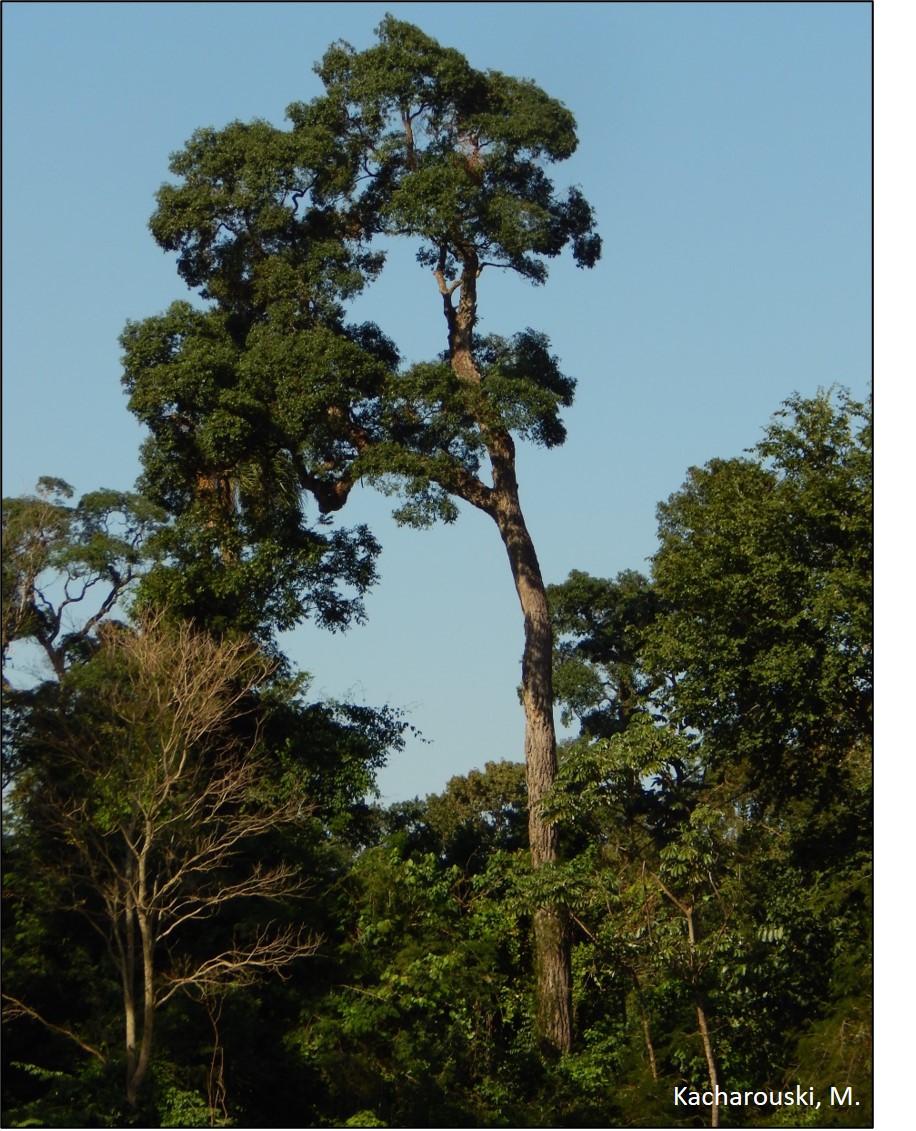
pixel 710 1061
pixel 551 926
pixel 701 1021
pixel 139 1056
pixel 687 912
pixel 130 1026
pixel 142 1059
pixel 126 955
pixel 216 1077
pixel 646 1030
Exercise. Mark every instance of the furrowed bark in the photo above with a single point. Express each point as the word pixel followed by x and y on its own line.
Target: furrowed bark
pixel 551 927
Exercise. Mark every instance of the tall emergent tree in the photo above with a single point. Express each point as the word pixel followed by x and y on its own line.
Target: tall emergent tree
pixel 268 394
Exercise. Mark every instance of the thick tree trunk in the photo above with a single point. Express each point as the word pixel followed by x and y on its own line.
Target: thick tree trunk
pixel 138 1057
pixel 126 952
pixel 130 1030
pixel 551 927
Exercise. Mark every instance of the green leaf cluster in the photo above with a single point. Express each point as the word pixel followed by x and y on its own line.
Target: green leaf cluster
pixel 716 810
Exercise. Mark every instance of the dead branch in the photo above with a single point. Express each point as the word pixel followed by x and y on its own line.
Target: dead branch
pixel 17 1008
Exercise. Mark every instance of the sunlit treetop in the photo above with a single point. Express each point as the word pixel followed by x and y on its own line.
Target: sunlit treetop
pixel 421 143
pixel 269 397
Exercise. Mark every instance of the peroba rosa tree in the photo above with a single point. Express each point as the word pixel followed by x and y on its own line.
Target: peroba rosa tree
pixel 268 394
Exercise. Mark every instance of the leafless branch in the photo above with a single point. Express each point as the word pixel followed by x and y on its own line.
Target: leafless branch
pixel 16 1008
pixel 158 798
pixel 241 965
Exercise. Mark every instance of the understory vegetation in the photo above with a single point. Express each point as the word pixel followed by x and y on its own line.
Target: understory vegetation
pixel 183 824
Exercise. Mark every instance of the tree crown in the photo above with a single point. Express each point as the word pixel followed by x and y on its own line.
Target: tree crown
pixel 269 394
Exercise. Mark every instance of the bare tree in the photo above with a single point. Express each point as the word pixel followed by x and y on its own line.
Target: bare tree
pixel 156 802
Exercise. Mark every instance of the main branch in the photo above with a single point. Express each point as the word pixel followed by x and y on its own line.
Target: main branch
pixel 551 929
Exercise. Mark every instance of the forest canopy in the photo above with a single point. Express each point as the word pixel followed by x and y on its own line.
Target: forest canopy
pixel 209 917
pixel 717 873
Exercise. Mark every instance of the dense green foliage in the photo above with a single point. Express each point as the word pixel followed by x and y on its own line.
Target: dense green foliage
pixel 269 402
pixel 725 805
pixel 62 561
pixel 269 396
pixel 183 823
pixel 716 871
pixel 766 566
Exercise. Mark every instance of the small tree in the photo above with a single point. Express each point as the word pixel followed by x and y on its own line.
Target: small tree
pixel 148 790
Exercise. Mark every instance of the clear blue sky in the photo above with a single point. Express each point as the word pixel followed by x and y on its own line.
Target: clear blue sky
pixel 726 149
